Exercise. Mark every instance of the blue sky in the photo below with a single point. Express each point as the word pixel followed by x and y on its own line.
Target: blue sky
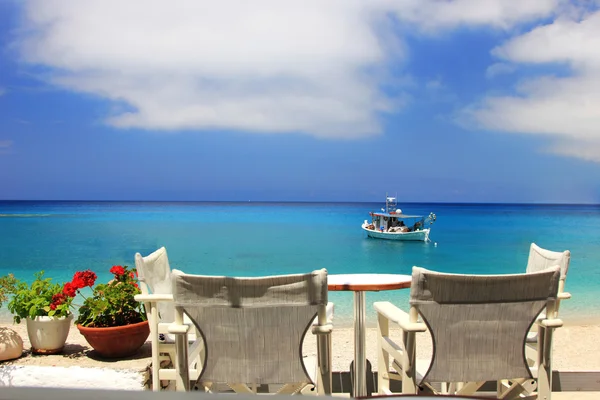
pixel 441 101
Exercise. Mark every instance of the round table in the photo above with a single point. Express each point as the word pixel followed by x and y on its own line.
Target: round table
pixel 359 284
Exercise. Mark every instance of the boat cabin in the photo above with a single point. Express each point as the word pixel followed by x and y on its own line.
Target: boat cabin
pixel 396 222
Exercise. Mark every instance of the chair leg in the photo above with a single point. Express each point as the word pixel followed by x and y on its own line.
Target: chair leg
pixel 409 368
pixel 182 375
pixel 545 363
pixel 241 388
pixel 468 388
pixel 324 364
pixel 154 344
pixel 330 352
pixel 383 358
pixel 328 378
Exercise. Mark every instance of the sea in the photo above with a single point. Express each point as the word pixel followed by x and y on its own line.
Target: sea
pixel 269 238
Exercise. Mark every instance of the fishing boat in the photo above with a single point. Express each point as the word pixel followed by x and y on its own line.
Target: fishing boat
pixel 392 224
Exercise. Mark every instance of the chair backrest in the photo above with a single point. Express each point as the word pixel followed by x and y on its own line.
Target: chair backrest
pixel 540 259
pixel 154 274
pixel 252 327
pixel 479 323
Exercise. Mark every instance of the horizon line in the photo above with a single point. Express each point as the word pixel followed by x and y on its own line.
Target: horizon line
pixel 299 201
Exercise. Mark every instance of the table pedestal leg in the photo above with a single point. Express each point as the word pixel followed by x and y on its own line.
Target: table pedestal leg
pixel 360 356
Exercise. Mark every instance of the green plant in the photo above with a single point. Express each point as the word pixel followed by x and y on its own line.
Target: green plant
pixel 112 304
pixel 7 286
pixel 41 298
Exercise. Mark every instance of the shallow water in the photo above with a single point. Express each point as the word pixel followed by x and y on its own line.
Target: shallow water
pixel 251 239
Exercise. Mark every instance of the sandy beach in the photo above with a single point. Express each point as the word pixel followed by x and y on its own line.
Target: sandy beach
pixel 575 349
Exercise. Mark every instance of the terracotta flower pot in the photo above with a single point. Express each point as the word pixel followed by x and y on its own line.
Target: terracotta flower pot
pixel 118 341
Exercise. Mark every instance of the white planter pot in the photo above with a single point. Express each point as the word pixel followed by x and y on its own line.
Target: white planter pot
pixel 48 334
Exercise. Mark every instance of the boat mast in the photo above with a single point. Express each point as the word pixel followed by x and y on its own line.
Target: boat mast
pixel 390 203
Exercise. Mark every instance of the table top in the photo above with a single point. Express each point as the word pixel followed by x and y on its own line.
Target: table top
pixel 367 282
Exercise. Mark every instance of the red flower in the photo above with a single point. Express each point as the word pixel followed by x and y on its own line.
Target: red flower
pixel 117 270
pixel 131 275
pixel 53 306
pixel 57 300
pixel 70 289
pixel 82 279
pixel 77 282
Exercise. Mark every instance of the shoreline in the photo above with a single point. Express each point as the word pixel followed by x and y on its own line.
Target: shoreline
pixel 572 347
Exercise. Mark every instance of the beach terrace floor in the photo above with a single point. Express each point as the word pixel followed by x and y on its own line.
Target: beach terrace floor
pixel 576 348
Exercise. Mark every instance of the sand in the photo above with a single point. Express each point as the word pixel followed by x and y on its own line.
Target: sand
pixel 576 348
pixel 70 377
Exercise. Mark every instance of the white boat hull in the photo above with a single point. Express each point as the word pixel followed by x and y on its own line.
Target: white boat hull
pixel 421 235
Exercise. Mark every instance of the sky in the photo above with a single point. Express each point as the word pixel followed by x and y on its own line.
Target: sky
pixel 311 100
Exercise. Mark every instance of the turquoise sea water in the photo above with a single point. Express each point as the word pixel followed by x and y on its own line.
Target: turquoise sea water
pixel 250 239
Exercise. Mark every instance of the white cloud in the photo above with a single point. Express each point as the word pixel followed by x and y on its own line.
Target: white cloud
pixel 568 108
pixel 433 15
pixel 499 69
pixel 564 40
pixel 585 150
pixel 268 66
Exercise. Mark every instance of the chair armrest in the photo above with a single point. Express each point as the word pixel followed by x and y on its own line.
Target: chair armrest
pixel 564 296
pixel 322 329
pixel 153 297
pixel 178 328
pixel 396 315
pixel 550 323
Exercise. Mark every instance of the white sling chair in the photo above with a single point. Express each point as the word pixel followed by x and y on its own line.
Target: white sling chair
pixel 154 274
pixel 478 326
pixel 253 330
pixel 539 260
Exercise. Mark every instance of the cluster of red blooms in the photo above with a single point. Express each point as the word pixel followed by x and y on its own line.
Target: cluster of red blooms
pixel 80 280
pixel 118 271
pixel 57 300
pixel 83 279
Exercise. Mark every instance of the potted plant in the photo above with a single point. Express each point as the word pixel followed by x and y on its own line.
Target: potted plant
pixel 46 308
pixel 111 320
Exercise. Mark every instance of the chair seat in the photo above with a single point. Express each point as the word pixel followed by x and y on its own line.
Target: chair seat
pixel 253 330
pixel 478 326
